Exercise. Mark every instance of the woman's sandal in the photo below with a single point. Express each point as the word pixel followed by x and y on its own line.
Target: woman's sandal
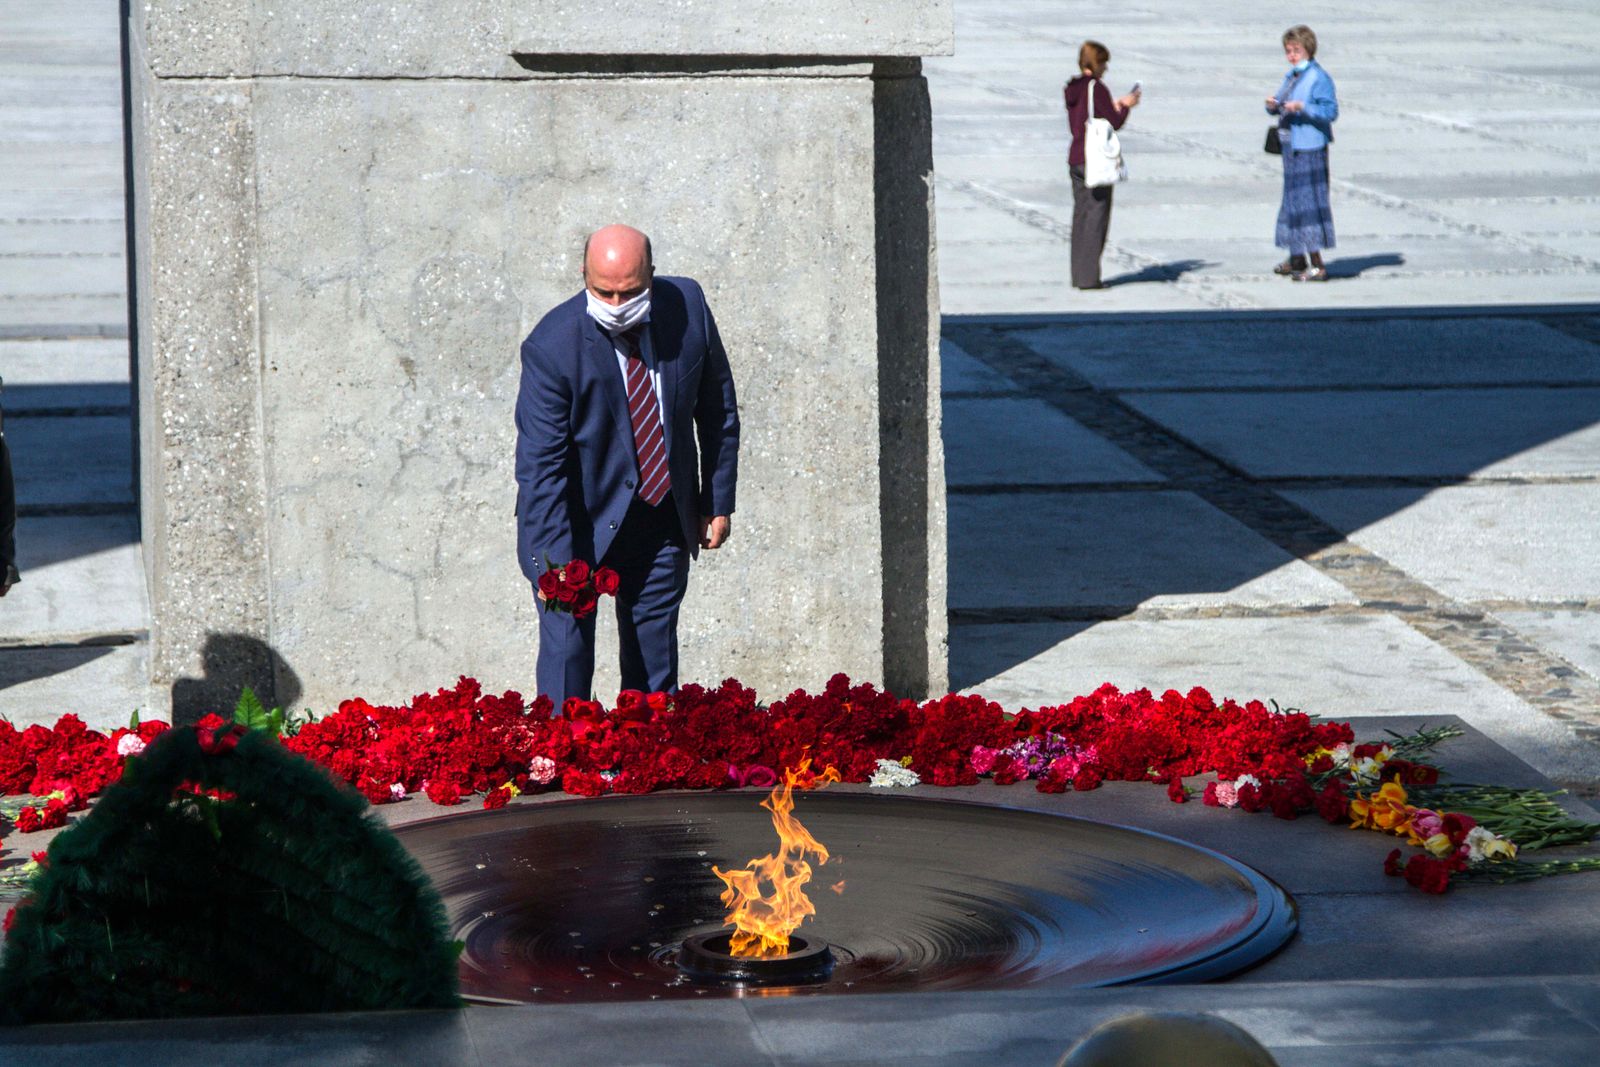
pixel 1315 274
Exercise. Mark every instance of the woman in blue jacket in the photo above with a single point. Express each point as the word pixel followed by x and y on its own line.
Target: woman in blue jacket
pixel 1306 107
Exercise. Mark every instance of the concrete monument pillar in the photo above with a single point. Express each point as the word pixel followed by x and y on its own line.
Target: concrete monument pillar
pixel 348 214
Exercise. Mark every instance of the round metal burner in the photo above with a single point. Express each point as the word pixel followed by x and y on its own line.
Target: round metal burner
pixel 709 957
pixel 586 900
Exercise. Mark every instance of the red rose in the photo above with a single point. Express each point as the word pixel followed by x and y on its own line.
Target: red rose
pixel 606 581
pixel 576 573
pixel 565 594
pixel 549 584
pixel 580 710
pixel 658 702
pixel 1176 792
pixel 444 792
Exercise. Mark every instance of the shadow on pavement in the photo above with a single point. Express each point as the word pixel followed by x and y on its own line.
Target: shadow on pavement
pixel 1259 439
pixel 19 665
pixel 1352 266
pixel 1159 272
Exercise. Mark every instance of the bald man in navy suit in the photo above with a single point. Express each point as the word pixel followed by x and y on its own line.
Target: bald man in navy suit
pixel 620 384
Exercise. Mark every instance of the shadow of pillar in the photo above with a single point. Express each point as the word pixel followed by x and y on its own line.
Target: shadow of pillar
pixel 230 662
pixel 911 463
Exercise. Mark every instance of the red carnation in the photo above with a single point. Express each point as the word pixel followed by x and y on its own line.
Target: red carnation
pixel 1332 804
pixel 375 791
pixel 28 820
pixel 1086 779
pixel 1456 826
pixel 497 798
pixel 582 783
pixel 1176 792
pixel 55 814
pixel 444 792
pixel 1391 863
pixel 1250 798
pixel 1428 874
pixel 11 917
pixel 1008 770
pixel 1209 797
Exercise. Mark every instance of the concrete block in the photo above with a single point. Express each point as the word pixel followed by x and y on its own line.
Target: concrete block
pixel 343 417
pixel 199 367
pixel 449 38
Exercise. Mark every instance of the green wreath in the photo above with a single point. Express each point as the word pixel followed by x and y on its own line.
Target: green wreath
pixel 225 875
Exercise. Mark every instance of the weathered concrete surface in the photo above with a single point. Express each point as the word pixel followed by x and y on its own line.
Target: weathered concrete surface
pixel 328 352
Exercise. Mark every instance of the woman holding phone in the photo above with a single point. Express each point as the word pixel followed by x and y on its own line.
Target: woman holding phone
pixel 1306 106
pixel 1091 208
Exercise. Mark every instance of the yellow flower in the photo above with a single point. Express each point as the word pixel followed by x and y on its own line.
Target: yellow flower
pixel 1384 810
pixel 1439 845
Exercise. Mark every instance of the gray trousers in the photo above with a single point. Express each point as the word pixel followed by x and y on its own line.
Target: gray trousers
pixel 1091 218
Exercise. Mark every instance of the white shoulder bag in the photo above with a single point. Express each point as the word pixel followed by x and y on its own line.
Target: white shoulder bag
pixel 1102 151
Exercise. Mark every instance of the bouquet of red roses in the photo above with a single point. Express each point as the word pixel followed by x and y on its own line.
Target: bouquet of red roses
pixel 575 589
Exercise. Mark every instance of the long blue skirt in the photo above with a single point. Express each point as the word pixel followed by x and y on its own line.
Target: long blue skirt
pixel 1305 219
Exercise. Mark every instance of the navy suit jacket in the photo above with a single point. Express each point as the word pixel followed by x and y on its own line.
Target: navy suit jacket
pixel 577 471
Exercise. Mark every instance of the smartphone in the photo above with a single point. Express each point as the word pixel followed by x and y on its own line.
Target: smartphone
pixel 1136 87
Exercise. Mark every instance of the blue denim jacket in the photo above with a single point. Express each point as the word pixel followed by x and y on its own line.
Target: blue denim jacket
pixel 1311 129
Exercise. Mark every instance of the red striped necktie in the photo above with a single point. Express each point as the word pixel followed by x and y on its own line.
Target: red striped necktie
pixel 649 441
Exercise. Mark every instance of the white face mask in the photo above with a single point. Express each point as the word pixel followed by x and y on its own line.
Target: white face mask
pixel 623 316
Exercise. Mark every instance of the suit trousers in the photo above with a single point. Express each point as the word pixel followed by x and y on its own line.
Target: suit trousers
pixel 652 561
pixel 1091 219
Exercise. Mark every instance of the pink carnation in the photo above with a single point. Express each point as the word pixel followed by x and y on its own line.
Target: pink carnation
pixel 1227 794
pixel 983 758
pixel 130 745
pixel 542 769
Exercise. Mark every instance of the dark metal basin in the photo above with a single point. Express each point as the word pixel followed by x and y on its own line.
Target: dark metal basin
pixel 588 900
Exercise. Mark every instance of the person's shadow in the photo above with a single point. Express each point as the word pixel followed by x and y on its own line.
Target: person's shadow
pixel 230 662
pixel 1158 272
pixel 1352 266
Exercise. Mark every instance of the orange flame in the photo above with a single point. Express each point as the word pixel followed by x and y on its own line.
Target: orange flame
pixel 763 922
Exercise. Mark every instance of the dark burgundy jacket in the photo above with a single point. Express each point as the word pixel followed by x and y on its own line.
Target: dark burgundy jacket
pixel 1077 97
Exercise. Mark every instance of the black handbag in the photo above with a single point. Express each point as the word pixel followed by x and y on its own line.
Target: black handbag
pixel 1274 145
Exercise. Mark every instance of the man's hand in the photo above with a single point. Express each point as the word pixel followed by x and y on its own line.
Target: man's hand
pixel 1272 103
pixel 714 530
pixel 1293 106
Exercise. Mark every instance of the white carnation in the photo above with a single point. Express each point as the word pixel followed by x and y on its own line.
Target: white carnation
pixel 890 774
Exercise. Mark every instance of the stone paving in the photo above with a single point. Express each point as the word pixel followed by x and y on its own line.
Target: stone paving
pixel 1375 497
pixel 1465 166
